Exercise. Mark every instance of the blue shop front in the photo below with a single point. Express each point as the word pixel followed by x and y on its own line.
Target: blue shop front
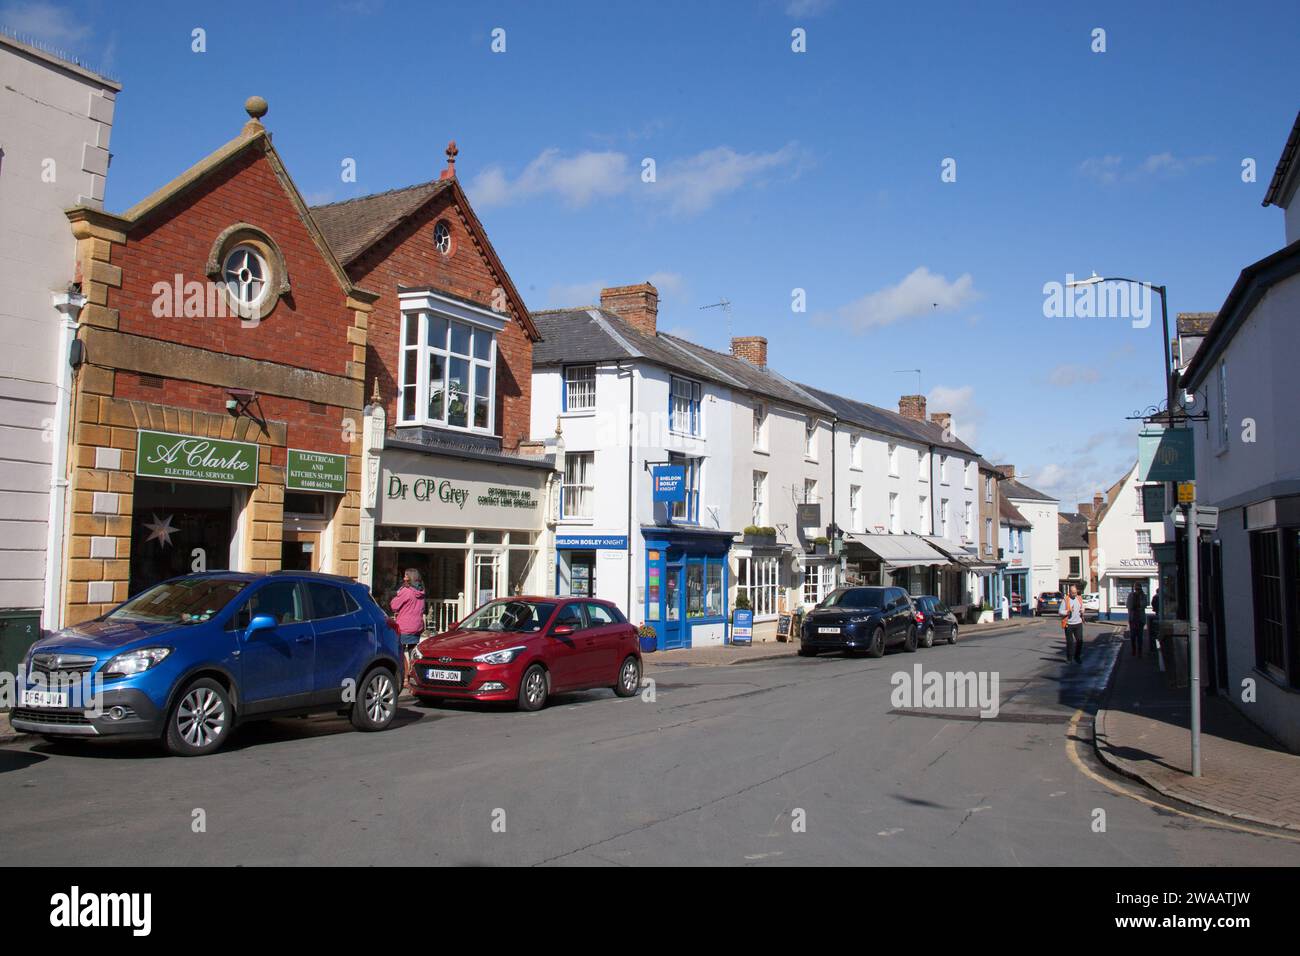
pixel 686 581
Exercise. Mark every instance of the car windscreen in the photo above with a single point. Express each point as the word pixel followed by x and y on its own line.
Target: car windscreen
pixel 183 601
pixel 855 598
pixel 511 617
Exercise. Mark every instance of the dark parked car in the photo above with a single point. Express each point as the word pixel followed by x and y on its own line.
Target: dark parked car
pixel 524 649
pixel 187 660
pixel 860 619
pixel 1049 602
pixel 936 620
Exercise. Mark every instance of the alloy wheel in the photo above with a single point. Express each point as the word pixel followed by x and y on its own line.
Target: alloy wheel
pixel 380 698
pixel 628 678
pixel 201 717
pixel 535 687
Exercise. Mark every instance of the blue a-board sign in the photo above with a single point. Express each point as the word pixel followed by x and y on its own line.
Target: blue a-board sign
pixel 742 627
pixel 669 483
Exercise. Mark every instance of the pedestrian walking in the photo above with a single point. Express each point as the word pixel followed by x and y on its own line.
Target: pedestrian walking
pixel 1137 619
pixel 408 608
pixel 1072 623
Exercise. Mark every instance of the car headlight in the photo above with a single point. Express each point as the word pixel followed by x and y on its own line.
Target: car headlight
pixel 503 656
pixel 135 662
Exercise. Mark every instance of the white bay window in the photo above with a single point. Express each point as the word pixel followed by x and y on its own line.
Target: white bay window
pixel 447 368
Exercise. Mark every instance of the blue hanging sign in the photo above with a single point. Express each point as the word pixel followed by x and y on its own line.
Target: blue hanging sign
pixel 669 483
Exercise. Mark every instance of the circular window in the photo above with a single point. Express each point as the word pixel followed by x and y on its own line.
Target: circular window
pixel 245 273
pixel 442 238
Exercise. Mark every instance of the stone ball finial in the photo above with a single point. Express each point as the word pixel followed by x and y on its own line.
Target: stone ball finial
pixel 256 107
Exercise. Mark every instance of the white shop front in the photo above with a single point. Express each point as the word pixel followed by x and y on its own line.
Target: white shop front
pixel 474 527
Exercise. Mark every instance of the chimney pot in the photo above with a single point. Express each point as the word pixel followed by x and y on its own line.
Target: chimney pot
pixel 1007 471
pixel 637 305
pixel 912 406
pixel 751 348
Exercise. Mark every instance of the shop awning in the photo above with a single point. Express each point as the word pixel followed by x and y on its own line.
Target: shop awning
pixel 899 550
pixel 959 555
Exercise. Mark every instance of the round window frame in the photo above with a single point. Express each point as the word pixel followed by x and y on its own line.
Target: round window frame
pixel 275 281
pixel 254 304
pixel 451 245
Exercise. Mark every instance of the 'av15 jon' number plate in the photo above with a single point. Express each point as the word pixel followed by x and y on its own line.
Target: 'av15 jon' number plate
pixel 435 674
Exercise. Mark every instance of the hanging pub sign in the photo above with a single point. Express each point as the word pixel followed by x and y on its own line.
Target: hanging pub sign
pixel 187 458
pixel 669 484
pixel 1153 503
pixel 315 471
pixel 1166 455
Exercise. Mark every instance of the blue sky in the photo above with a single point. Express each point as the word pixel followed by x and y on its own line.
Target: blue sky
pixel 778 170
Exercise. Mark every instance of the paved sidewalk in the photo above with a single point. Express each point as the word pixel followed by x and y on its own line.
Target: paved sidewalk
pixel 1143 731
pixel 725 654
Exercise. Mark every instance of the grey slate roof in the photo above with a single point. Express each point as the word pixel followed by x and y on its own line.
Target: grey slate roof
pixel 1010 515
pixel 354 225
pixel 1073 531
pixel 1195 323
pixel 1015 489
pixel 889 423
pixel 571 336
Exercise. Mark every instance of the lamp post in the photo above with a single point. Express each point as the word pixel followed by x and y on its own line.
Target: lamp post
pixel 1095 279
pixel 1192 526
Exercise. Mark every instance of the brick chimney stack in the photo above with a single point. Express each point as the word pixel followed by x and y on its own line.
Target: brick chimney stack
pixel 751 348
pixel 637 305
pixel 942 419
pixel 912 406
pixel 1007 471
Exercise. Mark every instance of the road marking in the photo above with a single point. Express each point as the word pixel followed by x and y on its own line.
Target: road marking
pixel 1072 752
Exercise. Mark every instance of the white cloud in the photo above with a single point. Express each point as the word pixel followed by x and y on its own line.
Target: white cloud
pixel 919 293
pixel 694 184
pixel 1067 376
pixel 44 22
pixel 958 401
pixel 1111 169
pixel 575 179
pixel 671 285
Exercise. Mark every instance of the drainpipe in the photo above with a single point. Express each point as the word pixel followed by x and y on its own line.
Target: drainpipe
pixel 69 305
pixel 631 448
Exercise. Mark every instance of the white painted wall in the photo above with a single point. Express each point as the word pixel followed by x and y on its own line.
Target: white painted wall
pixel 1044 535
pixel 55 122
pixel 1117 553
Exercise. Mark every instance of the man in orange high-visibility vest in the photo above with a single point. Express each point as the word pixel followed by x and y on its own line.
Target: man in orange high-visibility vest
pixel 1072 622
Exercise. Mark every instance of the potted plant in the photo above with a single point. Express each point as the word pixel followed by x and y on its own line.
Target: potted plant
pixel 821 545
pixel 649 638
pixel 760 535
pixel 986 614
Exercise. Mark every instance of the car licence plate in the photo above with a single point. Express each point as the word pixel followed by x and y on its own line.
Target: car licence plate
pixel 43 698
pixel 828 630
pixel 434 674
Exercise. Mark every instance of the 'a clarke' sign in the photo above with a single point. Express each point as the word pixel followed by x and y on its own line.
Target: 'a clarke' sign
pixel 187 458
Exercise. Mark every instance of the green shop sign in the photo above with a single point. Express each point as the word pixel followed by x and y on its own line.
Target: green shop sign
pixel 1166 455
pixel 186 458
pixel 315 471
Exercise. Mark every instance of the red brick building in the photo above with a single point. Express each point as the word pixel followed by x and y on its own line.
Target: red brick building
pixel 218 394
pixel 449 370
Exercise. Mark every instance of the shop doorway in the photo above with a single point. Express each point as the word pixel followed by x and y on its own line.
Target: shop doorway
pixel 178 528
pixel 300 551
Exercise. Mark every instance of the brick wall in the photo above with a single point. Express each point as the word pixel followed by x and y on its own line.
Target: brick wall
pixel 408 258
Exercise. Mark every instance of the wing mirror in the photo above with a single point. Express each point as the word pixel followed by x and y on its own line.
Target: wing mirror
pixel 262 622
pixel 562 630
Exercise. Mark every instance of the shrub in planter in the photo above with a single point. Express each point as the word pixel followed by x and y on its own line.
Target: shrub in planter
pixel 742 602
pixel 648 637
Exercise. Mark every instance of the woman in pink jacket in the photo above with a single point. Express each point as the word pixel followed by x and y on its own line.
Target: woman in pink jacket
pixel 408 608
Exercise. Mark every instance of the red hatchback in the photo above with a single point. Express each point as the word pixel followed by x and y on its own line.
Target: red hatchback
pixel 526 648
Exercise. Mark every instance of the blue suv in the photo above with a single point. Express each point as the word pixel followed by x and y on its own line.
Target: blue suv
pixel 187 659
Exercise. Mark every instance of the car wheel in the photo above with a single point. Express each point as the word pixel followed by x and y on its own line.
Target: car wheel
pixel 629 677
pixel 909 642
pixel 200 720
pixel 952 634
pixel 806 651
pixel 928 640
pixel 376 703
pixel 877 648
pixel 532 689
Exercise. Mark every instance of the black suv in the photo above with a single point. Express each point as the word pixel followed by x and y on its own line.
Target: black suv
pixel 860 619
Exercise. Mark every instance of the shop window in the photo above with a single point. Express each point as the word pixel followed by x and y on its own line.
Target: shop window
pixel 694 589
pixel 577 494
pixel 582 574
pixel 684 406
pixel 446 373
pixel 579 388
pixel 304 503
pixel 1270 614
pixel 816 582
pixel 758 581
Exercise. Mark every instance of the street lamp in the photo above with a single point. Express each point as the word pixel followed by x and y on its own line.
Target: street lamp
pixel 1192 524
pixel 1095 279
